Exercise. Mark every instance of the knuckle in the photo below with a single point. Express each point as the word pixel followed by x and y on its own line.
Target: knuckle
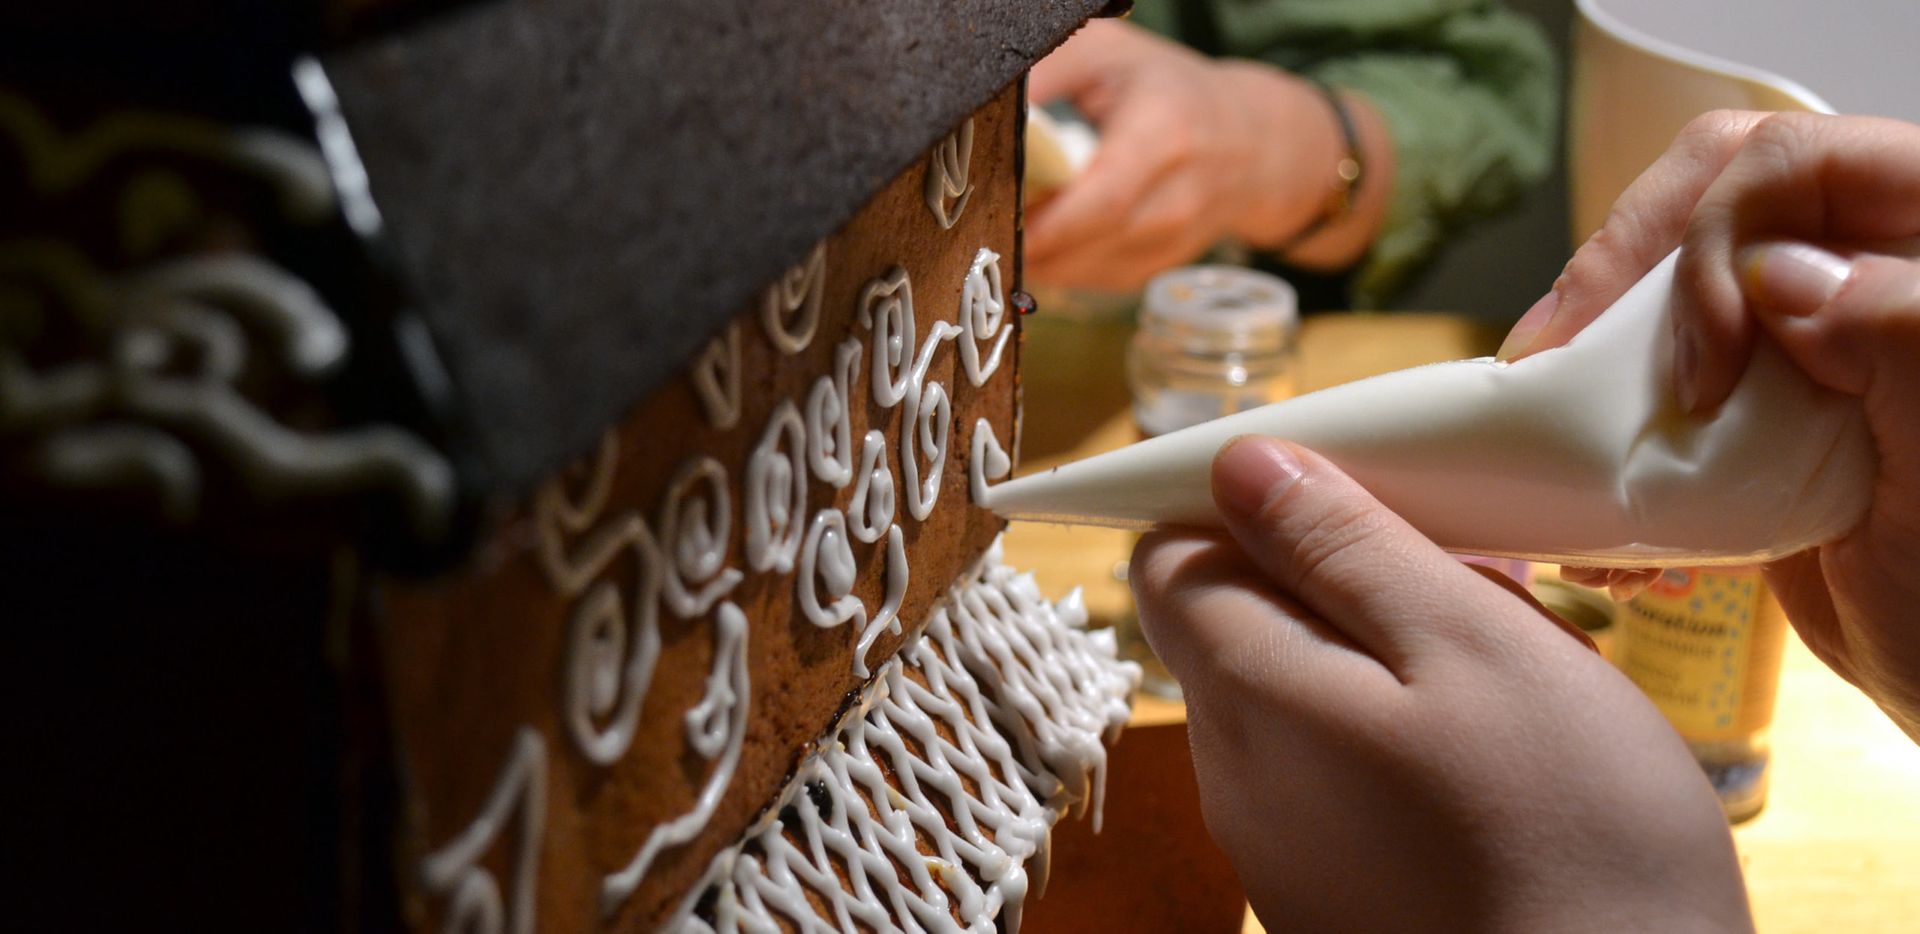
pixel 1717 130
pixel 1777 138
pixel 1151 570
pixel 1332 540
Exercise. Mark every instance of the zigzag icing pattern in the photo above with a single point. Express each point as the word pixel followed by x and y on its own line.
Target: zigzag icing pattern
pixel 997 715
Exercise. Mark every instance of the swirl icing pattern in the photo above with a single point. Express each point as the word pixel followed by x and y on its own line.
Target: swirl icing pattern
pixel 777 492
pixel 695 524
pixel 716 379
pixel 948 166
pixel 983 309
pixel 872 509
pixel 886 309
pixel 717 726
pixel 791 308
pixel 925 428
pixel 830 417
pixel 613 642
pixel 827 558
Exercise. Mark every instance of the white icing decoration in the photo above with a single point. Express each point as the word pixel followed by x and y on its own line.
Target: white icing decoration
pixel 989 460
pixel 330 130
pixel 871 510
pixel 830 417
pixel 718 725
pixel 611 649
pixel 693 532
pixel 776 492
pixel 457 870
pixel 886 307
pixel 791 308
pixel 948 166
pixel 889 616
pixel 827 557
pixel 716 379
pixel 1012 694
pixel 181 334
pixel 926 425
pixel 983 309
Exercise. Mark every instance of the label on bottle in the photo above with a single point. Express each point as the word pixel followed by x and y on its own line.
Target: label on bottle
pixel 1705 645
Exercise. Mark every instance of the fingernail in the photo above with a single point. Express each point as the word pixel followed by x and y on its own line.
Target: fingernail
pixel 1251 472
pixel 1686 364
pixel 1528 328
pixel 1792 278
pixel 1625 589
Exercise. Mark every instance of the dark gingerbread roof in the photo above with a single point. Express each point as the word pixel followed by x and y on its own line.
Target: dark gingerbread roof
pixel 583 191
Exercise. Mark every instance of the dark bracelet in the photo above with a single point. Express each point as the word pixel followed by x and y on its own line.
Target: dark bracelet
pixel 1349 171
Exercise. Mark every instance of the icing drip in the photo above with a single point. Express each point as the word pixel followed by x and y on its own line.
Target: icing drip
pixel 889 616
pixel 791 309
pixel 982 311
pixel 827 558
pixel 457 870
pixel 926 426
pixel 716 379
pixel 948 166
pixel 924 798
pixel 871 509
pixel 886 308
pixel 694 530
pixel 989 460
pixel 830 417
pixel 611 649
pixel 776 492
pixel 716 726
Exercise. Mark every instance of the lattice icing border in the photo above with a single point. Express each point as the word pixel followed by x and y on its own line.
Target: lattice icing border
pixel 1002 708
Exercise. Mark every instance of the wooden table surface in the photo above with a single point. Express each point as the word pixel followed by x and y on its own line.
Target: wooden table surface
pixel 1838 846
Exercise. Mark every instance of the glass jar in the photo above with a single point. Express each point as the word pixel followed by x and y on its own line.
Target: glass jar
pixel 1705 645
pixel 1212 341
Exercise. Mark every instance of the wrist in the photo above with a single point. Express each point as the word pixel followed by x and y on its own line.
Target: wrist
pixel 1345 238
pixel 1295 144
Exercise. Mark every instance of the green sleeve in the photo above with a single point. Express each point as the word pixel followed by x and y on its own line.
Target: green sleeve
pixel 1469 90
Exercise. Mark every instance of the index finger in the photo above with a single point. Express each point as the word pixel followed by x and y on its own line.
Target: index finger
pixel 1646 223
pixel 1099 201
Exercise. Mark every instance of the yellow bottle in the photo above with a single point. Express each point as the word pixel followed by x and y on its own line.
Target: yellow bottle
pixel 1705 645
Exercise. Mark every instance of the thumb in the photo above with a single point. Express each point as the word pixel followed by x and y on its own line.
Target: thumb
pixel 1326 541
pixel 1852 323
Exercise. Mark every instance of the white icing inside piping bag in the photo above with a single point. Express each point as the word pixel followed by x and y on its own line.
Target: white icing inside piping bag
pixel 1578 454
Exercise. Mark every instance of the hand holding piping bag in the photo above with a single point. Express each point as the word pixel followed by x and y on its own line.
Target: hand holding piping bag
pixel 1749 196
pixel 1361 707
pixel 1386 740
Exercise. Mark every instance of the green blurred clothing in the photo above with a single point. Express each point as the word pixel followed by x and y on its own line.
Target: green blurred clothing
pixel 1470 90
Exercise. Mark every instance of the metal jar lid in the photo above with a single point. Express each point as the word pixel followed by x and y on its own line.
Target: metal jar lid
pixel 1221 309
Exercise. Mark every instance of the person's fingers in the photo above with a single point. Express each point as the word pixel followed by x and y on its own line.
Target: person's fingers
pixel 1099 201
pixel 1850 323
pixel 1800 177
pixel 1156 235
pixel 1645 224
pixel 1622 584
pixel 1800 584
pixel 1106 266
pixel 1075 68
pixel 1324 539
pixel 1215 621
